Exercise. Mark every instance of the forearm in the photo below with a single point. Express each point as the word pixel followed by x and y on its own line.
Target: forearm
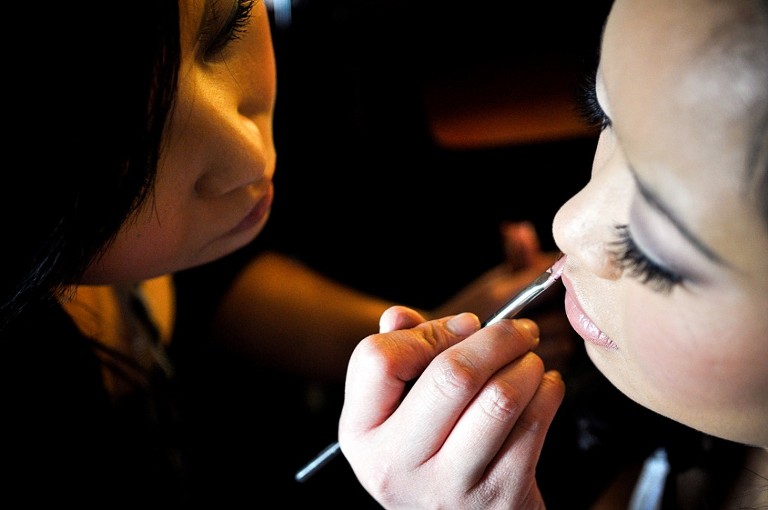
pixel 280 311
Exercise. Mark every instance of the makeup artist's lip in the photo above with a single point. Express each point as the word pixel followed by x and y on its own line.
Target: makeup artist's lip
pixel 581 322
pixel 258 214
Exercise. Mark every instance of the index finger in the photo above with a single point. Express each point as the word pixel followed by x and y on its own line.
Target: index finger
pixel 382 364
pixel 452 381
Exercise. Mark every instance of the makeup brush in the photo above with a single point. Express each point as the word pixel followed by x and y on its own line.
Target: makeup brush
pixel 508 311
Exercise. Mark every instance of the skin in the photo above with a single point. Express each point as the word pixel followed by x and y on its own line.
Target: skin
pixel 696 354
pixel 469 431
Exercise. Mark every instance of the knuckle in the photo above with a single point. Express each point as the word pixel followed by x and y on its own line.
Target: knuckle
pixel 454 375
pixel 508 396
pixel 373 352
pixel 501 402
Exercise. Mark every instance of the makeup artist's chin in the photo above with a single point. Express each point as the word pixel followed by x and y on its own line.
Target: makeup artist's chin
pixel 583 325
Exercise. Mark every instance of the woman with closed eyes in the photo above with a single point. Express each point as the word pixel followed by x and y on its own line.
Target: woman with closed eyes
pixel 665 275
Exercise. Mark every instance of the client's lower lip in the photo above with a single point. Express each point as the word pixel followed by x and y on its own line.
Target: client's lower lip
pixel 581 322
pixel 257 214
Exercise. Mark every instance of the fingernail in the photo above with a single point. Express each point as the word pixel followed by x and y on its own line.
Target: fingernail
pixel 463 324
pixel 532 328
pixel 553 375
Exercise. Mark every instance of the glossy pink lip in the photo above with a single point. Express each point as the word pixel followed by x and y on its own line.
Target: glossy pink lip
pixel 257 214
pixel 581 322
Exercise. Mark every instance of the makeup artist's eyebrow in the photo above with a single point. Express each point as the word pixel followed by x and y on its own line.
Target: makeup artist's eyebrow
pixel 654 202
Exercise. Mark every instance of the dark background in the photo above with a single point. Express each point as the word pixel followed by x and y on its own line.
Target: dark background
pixel 360 174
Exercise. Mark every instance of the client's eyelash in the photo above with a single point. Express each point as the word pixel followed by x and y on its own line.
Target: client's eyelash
pixel 629 257
pixel 589 107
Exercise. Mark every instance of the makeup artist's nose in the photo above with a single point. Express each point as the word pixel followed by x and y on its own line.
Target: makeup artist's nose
pixel 243 154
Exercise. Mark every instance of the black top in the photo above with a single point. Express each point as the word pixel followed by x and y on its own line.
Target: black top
pixel 203 436
pixel 64 439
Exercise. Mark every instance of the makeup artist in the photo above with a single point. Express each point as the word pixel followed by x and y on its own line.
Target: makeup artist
pixel 157 157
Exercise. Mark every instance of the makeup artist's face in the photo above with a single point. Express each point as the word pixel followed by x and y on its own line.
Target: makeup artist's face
pixel 214 184
pixel 666 274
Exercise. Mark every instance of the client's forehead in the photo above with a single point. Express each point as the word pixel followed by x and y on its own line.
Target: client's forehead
pixel 677 72
pixel 681 95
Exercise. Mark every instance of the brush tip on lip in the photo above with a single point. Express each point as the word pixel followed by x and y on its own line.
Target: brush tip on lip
pixel 557 268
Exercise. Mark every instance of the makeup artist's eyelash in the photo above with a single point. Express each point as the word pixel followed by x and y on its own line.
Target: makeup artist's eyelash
pixel 629 257
pixel 239 23
pixel 589 107
pixel 235 27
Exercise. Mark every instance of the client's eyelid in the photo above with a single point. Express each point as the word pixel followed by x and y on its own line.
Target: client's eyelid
pixel 628 256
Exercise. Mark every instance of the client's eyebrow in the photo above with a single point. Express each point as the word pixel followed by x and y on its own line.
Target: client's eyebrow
pixel 653 200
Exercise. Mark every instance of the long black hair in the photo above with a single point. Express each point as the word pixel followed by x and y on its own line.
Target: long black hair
pixel 91 87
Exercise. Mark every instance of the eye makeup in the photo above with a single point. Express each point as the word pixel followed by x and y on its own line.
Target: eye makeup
pixel 626 252
pixel 630 258
pixel 655 203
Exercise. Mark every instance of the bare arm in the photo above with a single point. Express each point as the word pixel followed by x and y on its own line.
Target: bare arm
pixel 299 320
pixel 296 318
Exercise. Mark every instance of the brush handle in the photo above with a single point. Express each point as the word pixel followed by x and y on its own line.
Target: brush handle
pixel 523 298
